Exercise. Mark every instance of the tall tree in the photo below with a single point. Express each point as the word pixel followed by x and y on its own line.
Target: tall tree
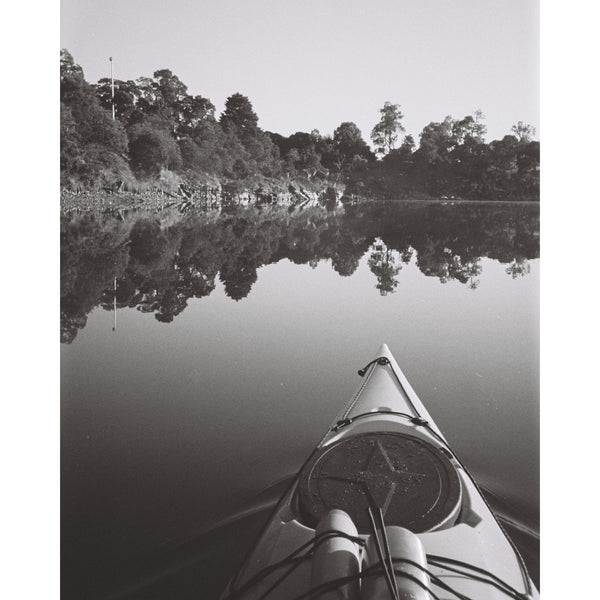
pixel 239 117
pixel 257 153
pixel 523 132
pixel 196 113
pixel 172 98
pixel 470 129
pixel 469 156
pixel 71 74
pixel 385 133
pixel 349 143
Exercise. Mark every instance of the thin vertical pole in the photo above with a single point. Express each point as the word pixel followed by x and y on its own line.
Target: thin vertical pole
pixel 115 305
pixel 112 88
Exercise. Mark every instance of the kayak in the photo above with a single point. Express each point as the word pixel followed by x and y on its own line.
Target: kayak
pixel 383 508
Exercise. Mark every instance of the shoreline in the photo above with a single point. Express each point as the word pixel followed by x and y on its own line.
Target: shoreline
pixel 120 203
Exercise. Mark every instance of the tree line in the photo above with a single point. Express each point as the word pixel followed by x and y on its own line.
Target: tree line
pixel 160 128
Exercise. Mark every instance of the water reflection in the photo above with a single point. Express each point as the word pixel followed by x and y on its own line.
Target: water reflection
pixel 160 263
pixel 382 264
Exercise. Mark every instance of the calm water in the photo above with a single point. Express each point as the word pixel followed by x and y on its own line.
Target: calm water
pixel 238 336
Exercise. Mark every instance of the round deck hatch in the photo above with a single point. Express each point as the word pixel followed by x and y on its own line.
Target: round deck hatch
pixel 414 483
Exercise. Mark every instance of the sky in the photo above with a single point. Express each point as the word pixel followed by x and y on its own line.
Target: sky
pixel 310 64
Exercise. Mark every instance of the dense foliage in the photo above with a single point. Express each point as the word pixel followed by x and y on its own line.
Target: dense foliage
pixel 160 126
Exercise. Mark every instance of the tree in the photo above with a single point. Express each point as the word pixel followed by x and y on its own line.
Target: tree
pixel 399 159
pixel 523 132
pixel 196 112
pixel 437 140
pixel 452 156
pixel 125 98
pixel 148 96
pixel 528 163
pixel 469 129
pixel 247 149
pixel 163 97
pixel 348 143
pixel 469 155
pixel 300 153
pixel 239 117
pixel 71 74
pixel 431 170
pixel 172 98
pixel 172 90
pixel 503 167
pixel 385 133
pixel 70 141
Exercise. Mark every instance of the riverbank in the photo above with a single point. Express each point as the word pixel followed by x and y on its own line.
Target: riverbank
pixel 121 203
pixel 185 199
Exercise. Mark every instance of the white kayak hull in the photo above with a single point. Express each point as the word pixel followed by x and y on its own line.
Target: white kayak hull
pixel 384 450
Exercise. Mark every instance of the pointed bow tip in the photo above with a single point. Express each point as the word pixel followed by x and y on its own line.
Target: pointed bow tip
pixel 384 351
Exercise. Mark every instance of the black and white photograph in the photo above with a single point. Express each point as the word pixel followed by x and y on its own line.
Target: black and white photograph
pixel 299 299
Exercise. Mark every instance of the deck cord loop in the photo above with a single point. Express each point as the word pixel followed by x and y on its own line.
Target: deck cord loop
pixel 382 360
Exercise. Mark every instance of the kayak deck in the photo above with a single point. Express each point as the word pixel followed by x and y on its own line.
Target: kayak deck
pixel 384 452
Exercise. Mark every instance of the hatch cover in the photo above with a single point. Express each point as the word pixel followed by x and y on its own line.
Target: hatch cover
pixel 415 484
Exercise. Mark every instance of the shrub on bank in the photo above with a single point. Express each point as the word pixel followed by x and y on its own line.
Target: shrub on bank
pixel 97 168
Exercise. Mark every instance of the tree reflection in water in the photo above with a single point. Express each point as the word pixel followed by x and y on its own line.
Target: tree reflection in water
pixel 160 266
pixel 518 268
pixel 383 265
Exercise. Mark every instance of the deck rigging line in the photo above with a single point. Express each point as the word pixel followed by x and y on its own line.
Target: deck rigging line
pixel 381 545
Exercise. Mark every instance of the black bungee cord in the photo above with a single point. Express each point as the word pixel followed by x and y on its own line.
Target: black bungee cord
pixel 315 592
pixel 293 558
pixel 494 580
pixel 369 572
pixel 382 546
pixel 374 570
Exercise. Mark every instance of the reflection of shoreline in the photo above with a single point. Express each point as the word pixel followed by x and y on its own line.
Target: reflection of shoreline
pixel 159 265
pixel 119 204
pixel 454 202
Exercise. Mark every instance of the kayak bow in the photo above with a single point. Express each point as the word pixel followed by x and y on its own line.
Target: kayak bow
pixel 383 508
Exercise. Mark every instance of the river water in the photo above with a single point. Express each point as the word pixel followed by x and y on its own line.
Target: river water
pixel 203 357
